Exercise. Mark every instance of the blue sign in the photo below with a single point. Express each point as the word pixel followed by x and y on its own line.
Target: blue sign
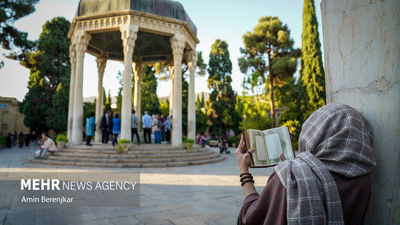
pixel 3 106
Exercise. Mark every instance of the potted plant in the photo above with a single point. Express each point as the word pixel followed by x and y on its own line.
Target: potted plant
pixel 123 145
pixel 188 143
pixel 62 141
pixel 3 142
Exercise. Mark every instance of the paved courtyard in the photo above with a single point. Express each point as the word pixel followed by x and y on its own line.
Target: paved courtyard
pixel 204 194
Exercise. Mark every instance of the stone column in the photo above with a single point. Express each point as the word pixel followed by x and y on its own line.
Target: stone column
pixel 171 95
pixel 101 65
pixel 81 43
pixel 178 45
pixel 72 57
pixel 192 58
pixel 128 36
pixel 137 101
pixel 361 49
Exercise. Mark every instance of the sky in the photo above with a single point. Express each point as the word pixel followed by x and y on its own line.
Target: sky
pixel 215 19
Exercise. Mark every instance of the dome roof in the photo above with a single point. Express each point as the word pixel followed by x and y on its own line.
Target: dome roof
pixel 165 8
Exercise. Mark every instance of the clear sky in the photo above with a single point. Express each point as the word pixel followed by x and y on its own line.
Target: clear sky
pixel 215 19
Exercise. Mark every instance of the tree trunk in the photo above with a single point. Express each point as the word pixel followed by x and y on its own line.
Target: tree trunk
pixel 271 87
pixel 272 98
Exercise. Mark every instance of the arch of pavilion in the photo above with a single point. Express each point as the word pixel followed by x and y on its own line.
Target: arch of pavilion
pixel 135 32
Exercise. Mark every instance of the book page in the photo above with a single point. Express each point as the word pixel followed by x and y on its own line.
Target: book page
pixel 274 147
pixel 260 148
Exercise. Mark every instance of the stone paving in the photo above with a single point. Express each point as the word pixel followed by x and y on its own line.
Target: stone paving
pixel 204 194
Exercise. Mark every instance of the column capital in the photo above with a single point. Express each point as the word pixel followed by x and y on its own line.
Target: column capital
pixel 192 59
pixel 129 36
pixel 178 45
pixel 101 62
pixel 81 42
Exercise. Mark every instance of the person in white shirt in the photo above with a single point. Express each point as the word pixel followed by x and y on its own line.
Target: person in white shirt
pixel 48 146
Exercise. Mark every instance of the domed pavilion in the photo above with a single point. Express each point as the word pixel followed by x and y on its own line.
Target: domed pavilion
pixel 135 32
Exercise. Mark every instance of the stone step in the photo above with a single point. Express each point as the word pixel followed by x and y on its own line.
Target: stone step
pixel 128 165
pixel 133 147
pixel 127 160
pixel 129 155
pixel 134 151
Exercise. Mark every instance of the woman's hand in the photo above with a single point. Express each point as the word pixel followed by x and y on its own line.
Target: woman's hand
pixel 243 157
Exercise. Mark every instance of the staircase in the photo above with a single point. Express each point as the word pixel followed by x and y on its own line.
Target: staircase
pixel 138 156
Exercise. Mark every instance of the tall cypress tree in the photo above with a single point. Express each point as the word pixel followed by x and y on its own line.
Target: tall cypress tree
pixel 45 106
pixel 150 100
pixel 312 74
pixel 222 101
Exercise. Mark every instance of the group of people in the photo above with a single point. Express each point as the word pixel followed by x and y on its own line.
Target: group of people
pixel 157 125
pixel 23 140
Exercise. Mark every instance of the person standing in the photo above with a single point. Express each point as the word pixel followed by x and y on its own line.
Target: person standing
pixel 146 120
pixel 89 128
pixel 9 140
pixel 162 118
pixel 116 128
pixel 21 140
pixel 105 126
pixel 134 126
pixel 168 128
pixel 156 128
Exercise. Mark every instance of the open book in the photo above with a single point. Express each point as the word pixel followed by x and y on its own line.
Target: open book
pixel 271 146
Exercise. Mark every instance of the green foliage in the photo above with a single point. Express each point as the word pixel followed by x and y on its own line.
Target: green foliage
pixel 188 141
pixel 222 102
pixel 201 116
pixel 185 102
pixel 164 106
pixel 150 101
pixel 45 106
pixel 254 111
pixel 120 143
pixel 233 140
pixel 61 137
pixel 312 74
pixel 12 39
pixel 3 141
pixel 120 77
pixel 107 105
pixel 58 115
pixel 268 57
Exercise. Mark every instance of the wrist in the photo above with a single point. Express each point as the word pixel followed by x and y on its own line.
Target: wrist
pixel 244 170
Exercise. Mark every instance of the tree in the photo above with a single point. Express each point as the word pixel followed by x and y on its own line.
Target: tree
pixel 11 38
pixel 312 74
pixel 120 77
pixel 268 57
pixel 201 116
pixel 150 100
pixel 222 101
pixel 45 106
pixel 107 106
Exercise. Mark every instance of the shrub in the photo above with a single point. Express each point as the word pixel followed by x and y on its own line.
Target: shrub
pixel 61 137
pixel 120 142
pixel 3 141
pixel 233 140
pixel 188 141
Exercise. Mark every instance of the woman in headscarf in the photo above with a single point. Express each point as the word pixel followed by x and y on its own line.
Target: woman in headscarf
pixel 327 183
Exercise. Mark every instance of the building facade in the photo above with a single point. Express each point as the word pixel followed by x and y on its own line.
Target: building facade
pixel 11 119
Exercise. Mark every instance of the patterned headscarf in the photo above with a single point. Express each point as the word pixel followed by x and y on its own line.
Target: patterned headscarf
pixel 335 138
